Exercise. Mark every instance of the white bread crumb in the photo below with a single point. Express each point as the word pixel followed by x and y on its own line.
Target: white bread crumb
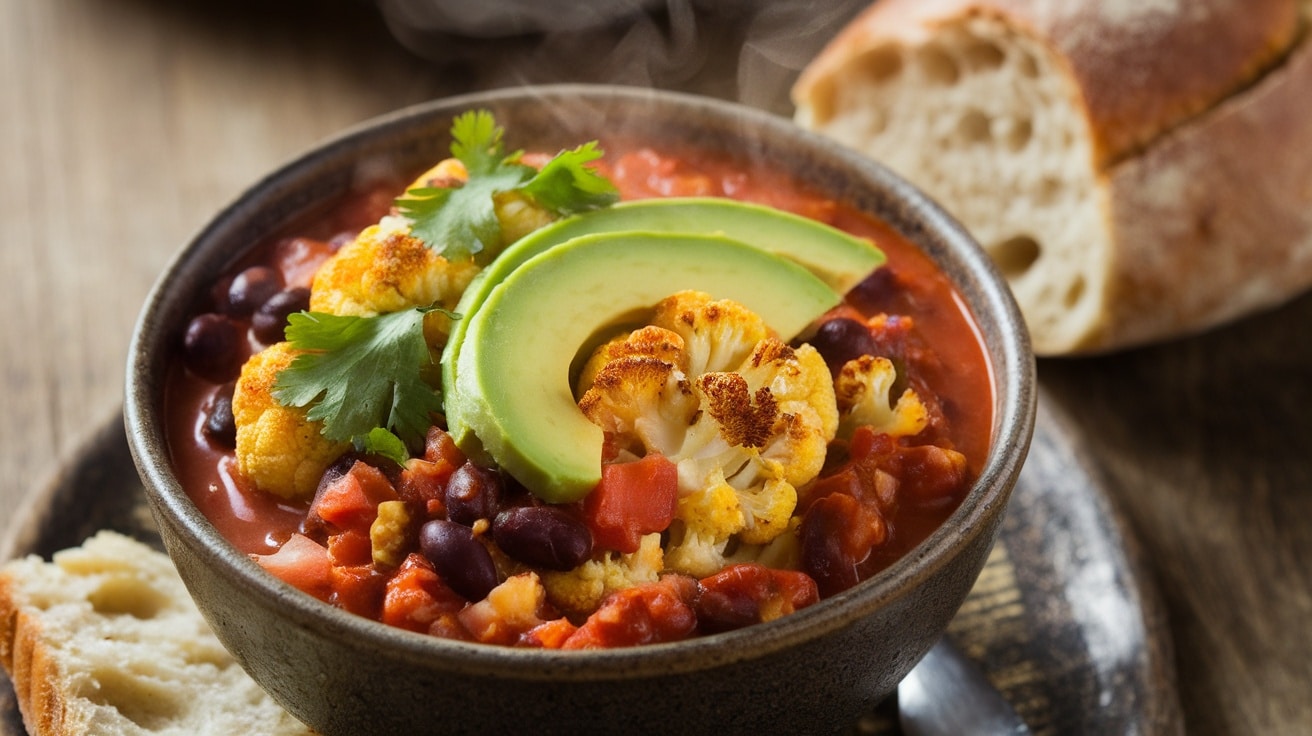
pixel 104 640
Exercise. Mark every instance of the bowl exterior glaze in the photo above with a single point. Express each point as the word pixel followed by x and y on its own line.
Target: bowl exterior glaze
pixel 815 671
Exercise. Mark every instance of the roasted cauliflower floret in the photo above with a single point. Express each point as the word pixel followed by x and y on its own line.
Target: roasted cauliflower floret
pixel 704 522
pixel 389 536
pixel 581 590
pixel 806 409
pixel 743 436
pixel 647 342
pixel 385 269
pixel 278 448
pixel 863 388
pixel 718 334
pixel 510 610
pixel 518 216
pixel 640 396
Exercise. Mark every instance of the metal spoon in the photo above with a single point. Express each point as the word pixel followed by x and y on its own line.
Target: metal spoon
pixel 947 694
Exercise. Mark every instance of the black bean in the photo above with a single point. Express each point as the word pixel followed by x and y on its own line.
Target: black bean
pixel 459 558
pixel 269 323
pixel 472 493
pixel 214 347
pixel 252 288
pixel 220 425
pixel 881 291
pixel 840 340
pixel 543 536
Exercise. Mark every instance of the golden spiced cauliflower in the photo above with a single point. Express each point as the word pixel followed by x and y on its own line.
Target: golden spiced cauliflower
pixel 745 418
pixel 864 388
pixel 278 449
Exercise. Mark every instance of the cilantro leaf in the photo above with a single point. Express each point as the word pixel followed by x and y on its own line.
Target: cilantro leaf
pixel 461 221
pixel 360 373
pixel 567 185
pixel 476 140
pixel 379 441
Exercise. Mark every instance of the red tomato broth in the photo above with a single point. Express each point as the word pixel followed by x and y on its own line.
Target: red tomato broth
pixel 258 523
pixel 255 522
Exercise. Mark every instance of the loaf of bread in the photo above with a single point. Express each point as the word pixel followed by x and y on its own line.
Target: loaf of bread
pixel 105 641
pixel 1138 169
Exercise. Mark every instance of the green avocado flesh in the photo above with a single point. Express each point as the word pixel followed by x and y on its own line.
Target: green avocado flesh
pixel 839 259
pixel 512 386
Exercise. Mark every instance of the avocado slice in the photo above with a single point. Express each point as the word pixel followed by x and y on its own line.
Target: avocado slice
pixel 840 259
pixel 512 387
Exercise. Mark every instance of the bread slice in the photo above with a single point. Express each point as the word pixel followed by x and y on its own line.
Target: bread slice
pixel 105 641
pixel 1138 169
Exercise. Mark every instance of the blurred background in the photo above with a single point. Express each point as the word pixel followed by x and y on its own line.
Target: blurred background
pixel 127 123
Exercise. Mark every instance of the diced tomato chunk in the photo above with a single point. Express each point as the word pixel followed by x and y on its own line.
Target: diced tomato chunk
pixel 644 614
pixel 358 589
pixel 549 634
pixel 351 547
pixel 422 482
pixel 416 597
pixel 302 563
pixel 351 501
pixel 749 593
pixel 440 446
pixel 632 500
pixel 932 473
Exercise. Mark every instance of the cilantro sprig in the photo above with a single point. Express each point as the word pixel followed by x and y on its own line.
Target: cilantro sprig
pixel 460 221
pixel 362 378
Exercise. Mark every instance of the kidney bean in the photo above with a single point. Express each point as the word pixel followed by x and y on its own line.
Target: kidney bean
pixel 543 536
pixel 837 533
pixel 842 339
pixel 472 493
pixel 214 347
pixel 220 425
pixel 252 288
pixel 463 562
pixel 881 291
pixel 269 323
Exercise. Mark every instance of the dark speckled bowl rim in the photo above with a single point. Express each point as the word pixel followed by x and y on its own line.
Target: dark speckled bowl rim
pixel 916 216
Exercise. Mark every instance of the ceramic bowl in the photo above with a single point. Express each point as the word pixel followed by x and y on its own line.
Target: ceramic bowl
pixel 813 671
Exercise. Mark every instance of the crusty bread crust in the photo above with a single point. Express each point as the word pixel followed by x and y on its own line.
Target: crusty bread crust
pixel 1187 173
pixel 1142 67
pixel 1214 221
pixel 33 673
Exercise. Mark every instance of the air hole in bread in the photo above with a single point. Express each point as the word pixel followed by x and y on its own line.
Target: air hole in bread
pixel 126 595
pixel 150 704
pixel 1074 292
pixel 1047 191
pixel 875 122
pixel 974 126
pixel 1028 66
pixel 1015 255
pixel 1017 133
pixel 880 64
pixel 937 65
pixel 980 54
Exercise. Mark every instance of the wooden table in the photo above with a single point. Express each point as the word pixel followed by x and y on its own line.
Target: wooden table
pixel 125 124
